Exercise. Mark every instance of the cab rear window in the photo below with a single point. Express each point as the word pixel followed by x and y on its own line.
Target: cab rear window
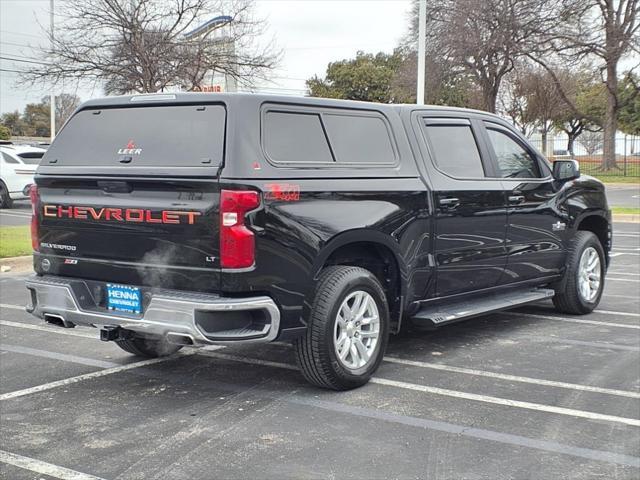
pixel 327 137
pixel 160 136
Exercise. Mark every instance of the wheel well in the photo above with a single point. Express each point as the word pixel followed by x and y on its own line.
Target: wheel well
pixel 380 261
pixel 599 227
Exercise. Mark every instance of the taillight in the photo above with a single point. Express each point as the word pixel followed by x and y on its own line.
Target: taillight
pixel 237 242
pixel 35 221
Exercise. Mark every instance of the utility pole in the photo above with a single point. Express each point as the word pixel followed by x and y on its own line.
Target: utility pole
pixel 422 46
pixel 52 102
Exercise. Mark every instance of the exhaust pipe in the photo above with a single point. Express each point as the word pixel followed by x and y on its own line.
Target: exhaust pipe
pixel 58 320
pixel 179 338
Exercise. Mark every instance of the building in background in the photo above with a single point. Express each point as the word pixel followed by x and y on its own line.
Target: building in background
pixel 218 31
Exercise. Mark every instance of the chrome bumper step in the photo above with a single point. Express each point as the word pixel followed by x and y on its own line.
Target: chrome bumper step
pixel 201 318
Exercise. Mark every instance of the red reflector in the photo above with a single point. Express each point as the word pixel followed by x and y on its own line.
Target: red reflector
pixel 35 221
pixel 237 242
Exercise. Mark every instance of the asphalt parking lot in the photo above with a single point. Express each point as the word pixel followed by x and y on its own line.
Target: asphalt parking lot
pixel 528 394
pixel 19 214
pixel 622 195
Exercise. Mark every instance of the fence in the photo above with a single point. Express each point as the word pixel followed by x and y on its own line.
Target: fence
pixel 588 152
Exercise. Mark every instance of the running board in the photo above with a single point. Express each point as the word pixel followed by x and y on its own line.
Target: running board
pixel 438 315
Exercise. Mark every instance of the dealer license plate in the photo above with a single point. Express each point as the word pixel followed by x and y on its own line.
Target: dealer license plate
pixel 124 298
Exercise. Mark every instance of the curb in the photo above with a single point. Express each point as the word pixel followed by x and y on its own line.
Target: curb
pixel 625 218
pixel 16 264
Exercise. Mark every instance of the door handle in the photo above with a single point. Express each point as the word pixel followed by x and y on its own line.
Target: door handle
pixel 449 202
pixel 516 199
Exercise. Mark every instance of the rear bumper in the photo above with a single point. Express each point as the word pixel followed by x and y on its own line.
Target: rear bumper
pixel 180 317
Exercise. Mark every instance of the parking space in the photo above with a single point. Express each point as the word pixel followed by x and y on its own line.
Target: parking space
pixel 623 195
pixel 524 394
pixel 19 214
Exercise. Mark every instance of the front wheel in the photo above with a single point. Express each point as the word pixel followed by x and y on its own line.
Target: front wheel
pixel 148 347
pixel 580 289
pixel 347 331
pixel 5 198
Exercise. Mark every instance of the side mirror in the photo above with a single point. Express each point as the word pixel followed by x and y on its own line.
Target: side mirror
pixel 565 170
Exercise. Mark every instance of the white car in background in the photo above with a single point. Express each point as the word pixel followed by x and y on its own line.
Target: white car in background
pixel 18 163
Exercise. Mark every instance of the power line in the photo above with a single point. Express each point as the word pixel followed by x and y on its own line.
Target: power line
pixel 23 61
pixel 13 44
pixel 11 71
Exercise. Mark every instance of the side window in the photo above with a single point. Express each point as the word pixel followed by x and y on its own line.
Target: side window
pixel 514 161
pixel 359 138
pixel 455 149
pixel 295 137
pixel 8 158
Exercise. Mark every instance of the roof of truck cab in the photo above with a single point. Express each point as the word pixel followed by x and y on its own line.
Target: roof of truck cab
pixel 231 98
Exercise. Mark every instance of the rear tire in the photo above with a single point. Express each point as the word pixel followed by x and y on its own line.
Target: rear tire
pixel 5 199
pixel 347 331
pixel 580 289
pixel 148 347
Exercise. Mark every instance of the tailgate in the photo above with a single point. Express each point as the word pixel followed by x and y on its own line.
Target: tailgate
pixel 124 217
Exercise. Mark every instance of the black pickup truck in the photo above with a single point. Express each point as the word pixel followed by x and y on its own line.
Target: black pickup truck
pixel 193 219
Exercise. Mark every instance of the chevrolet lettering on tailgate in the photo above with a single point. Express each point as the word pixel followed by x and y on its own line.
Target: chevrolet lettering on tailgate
pixel 136 215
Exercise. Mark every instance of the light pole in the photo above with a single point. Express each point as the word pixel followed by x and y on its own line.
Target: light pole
pixel 422 44
pixel 52 102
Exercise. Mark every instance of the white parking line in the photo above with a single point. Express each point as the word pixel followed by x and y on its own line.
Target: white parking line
pixel 507 402
pixel 12 307
pixel 608 279
pixel 455 393
pixel 628 297
pixel 45 328
pixel 87 376
pixel 36 352
pixel 619 314
pixel 573 320
pixel 611 272
pixel 43 468
pixel 513 378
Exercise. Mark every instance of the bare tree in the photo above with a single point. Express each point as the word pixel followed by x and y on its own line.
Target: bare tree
pixel 147 46
pixel 591 141
pixel 512 102
pixel 544 102
pixel 443 84
pixel 532 100
pixel 66 104
pixel 484 39
pixel 603 30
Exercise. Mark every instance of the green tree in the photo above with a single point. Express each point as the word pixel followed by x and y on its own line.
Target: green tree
pixel 367 77
pixel 629 113
pixel 588 95
pixel 13 121
pixel 36 118
pixel 5 133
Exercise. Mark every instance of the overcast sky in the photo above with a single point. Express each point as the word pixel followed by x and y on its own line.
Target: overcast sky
pixel 311 33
